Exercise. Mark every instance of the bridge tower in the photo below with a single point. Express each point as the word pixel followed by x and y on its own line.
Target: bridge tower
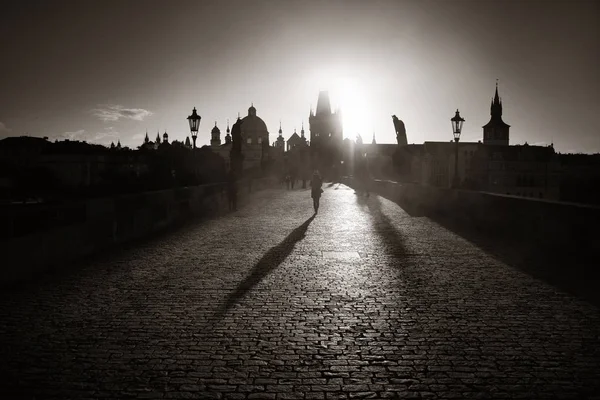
pixel 326 135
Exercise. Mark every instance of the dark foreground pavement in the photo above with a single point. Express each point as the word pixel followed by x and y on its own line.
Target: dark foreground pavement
pixel 363 301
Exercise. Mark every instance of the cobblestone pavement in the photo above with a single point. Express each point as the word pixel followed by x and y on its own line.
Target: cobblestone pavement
pixel 363 301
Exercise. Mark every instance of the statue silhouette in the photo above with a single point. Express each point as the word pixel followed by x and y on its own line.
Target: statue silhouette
pixel 400 131
pixel 359 140
pixel 236 148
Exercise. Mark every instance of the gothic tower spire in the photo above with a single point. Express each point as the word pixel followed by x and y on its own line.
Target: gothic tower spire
pixel 496 131
pixel 496 107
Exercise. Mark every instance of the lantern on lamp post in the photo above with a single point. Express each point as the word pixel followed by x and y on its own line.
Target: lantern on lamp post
pixel 194 121
pixel 457 124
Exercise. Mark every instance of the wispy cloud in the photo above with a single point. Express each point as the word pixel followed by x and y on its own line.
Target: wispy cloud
pixel 4 128
pixel 75 135
pixel 138 136
pixel 108 134
pixel 114 112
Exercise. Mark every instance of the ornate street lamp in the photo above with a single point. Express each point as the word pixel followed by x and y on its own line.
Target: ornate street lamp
pixel 194 121
pixel 457 124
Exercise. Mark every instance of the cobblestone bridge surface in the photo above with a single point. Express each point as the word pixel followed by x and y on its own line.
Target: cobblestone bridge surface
pixel 361 301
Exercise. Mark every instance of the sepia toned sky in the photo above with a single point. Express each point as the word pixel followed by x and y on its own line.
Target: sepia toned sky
pixel 107 70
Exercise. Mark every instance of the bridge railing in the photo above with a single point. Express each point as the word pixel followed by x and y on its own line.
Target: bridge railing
pixel 36 238
pixel 548 224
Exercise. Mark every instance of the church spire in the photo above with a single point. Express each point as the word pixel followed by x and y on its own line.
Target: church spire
pixel 373 142
pixel 496 107
pixel 280 143
pixel 228 136
pixel 496 132
pixel 302 130
pixel 496 97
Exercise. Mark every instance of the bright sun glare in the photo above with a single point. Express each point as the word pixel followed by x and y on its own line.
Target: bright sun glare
pixel 347 93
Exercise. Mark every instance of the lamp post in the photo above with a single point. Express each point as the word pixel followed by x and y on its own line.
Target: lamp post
pixel 457 124
pixel 194 121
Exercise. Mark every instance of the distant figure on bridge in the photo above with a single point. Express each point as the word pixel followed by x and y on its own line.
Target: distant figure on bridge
pixel 288 180
pixel 364 178
pixel 315 183
pixel 232 190
pixel 293 177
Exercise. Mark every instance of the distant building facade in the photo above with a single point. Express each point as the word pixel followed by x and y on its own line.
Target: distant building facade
pixel 490 166
pixel 254 144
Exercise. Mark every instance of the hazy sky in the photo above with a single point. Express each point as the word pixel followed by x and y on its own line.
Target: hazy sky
pixel 102 70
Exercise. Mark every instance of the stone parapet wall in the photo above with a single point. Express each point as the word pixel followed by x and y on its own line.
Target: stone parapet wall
pixel 105 222
pixel 548 225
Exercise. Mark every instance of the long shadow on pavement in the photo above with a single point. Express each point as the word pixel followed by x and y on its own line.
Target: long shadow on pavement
pixel 270 261
pixel 389 234
pixel 565 269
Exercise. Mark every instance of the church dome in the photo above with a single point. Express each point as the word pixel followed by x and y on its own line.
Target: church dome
pixel 215 129
pixel 253 128
pixel 253 123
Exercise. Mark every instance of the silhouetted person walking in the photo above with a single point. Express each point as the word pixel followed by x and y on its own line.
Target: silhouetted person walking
pixel 364 178
pixel 315 183
pixel 232 190
pixel 293 177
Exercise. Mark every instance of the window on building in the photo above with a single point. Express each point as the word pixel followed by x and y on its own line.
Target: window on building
pixel 259 140
pixel 249 141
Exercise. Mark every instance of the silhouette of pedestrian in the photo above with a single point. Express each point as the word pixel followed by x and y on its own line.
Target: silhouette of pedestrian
pixel 287 181
pixel 364 178
pixel 315 183
pixel 232 190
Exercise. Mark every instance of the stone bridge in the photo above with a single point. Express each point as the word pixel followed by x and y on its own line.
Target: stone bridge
pixel 362 300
